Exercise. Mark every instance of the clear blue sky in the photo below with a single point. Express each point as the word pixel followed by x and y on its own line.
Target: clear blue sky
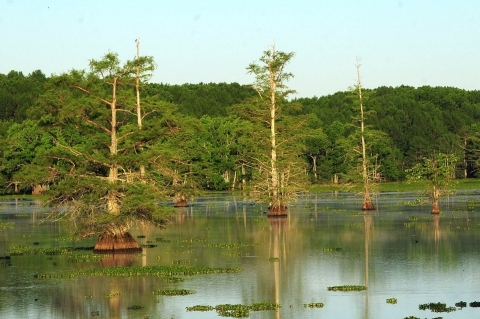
pixel 409 42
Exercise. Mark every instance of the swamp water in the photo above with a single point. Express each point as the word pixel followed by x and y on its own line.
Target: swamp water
pixel 398 251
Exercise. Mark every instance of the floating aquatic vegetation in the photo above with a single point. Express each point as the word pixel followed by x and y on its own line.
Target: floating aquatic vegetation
pixel 411 317
pixel 135 307
pixel 236 254
pixel 392 300
pixel 200 308
pixel 181 262
pixel 436 307
pixel 233 246
pixel 87 258
pixel 162 240
pixel 189 251
pixel 475 304
pixel 154 271
pixel 111 295
pixel 174 279
pixel 461 304
pixel 174 292
pixel 64 238
pixel 7 262
pixel 412 217
pixel 149 246
pixel 88 296
pixel 5 225
pixel 141 236
pixel 332 249
pixel 347 288
pixel 314 305
pixel 356 214
pixel 260 306
pixel 194 240
pixel 21 215
pixel 27 250
pixel 273 259
pixel 236 310
pixel 95 313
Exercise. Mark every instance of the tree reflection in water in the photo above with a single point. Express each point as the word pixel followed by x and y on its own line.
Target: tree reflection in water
pixel 277 249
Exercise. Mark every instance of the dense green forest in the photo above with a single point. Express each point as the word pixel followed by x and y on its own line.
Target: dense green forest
pixel 197 139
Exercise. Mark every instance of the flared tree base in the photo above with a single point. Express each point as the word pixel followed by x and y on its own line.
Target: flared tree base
pixel 181 203
pixel 121 243
pixel 436 209
pixel 368 205
pixel 277 211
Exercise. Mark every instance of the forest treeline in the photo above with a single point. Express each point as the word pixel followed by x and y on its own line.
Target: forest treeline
pixel 202 139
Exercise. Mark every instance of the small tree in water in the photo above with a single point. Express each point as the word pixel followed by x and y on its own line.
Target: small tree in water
pixel 367 199
pixel 270 84
pixel 438 171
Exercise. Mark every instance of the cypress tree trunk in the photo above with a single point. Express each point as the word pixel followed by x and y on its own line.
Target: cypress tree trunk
pixel 277 207
pixel 367 200
pixel 122 242
pixel 181 201
pixel 435 199
pixel 117 239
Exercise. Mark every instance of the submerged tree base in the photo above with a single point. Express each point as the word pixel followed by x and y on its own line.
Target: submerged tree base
pixel 124 243
pixel 181 203
pixel 436 209
pixel 277 211
pixel 368 205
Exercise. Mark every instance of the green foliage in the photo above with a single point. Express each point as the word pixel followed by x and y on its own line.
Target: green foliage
pixel 202 99
pixel 44 117
pixel 18 93
pixel 438 171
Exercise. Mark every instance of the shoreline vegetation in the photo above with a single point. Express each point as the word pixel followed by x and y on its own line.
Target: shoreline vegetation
pixel 405 186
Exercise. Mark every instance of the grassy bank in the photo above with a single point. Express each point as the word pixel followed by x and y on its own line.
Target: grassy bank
pixel 460 184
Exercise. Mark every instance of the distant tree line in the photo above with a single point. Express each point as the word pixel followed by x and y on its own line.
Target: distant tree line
pixel 202 140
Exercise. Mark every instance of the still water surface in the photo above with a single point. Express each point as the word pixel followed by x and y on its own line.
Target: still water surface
pixel 398 251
